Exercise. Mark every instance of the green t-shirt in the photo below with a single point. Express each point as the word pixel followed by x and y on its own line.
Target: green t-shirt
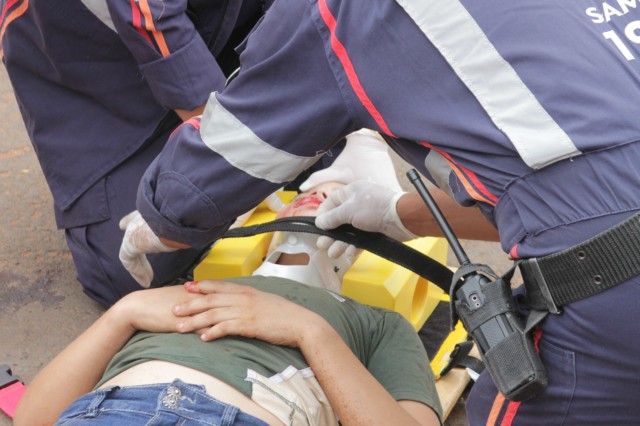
pixel 383 341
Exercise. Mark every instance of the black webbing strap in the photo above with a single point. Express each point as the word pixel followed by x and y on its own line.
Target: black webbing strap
pixel 460 357
pixel 373 242
pixel 606 260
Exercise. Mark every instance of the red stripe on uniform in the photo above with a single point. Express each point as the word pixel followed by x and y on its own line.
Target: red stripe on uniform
pixel 157 35
pixel 137 21
pixel 512 408
pixel 510 413
pixel 5 19
pixel 352 75
pixel 513 253
pixel 495 409
pixel 195 122
pixel 465 174
pixel 7 6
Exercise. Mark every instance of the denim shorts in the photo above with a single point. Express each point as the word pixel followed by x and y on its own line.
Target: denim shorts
pixel 158 404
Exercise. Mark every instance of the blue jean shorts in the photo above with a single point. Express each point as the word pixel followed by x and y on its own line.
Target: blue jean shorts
pixel 158 404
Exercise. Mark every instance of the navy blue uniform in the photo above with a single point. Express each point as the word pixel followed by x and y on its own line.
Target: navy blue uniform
pixel 527 110
pixel 96 83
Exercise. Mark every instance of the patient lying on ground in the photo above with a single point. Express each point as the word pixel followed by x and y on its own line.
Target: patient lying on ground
pixel 279 347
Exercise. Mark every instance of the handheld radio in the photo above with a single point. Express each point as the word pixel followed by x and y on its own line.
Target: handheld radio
pixel 487 311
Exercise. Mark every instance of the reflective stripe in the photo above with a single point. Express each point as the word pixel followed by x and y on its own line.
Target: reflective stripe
pixel 149 25
pixel 100 9
pixel 508 102
pixel 472 185
pixel 440 170
pixel 226 135
pixel 498 402
pixel 7 17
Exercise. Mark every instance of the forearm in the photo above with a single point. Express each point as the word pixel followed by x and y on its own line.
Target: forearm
pixel 467 223
pixel 73 372
pixel 355 395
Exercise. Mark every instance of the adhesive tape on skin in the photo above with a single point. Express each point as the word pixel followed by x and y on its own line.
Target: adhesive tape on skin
pixel 321 271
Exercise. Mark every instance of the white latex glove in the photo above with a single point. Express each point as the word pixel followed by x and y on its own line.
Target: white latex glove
pixel 364 205
pixel 242 219
pixel 364 157
pixel 139 240
pixel 274 203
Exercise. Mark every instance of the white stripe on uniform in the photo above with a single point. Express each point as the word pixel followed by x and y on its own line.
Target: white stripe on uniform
pixel 509 103
pixel 100 9
pixel 229 137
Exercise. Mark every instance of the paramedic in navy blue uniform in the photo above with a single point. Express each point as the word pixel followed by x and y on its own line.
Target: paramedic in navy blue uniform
pixel 101 84
pixel 527 112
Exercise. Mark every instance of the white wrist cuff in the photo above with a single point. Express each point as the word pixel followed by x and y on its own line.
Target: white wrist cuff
pixel 401 233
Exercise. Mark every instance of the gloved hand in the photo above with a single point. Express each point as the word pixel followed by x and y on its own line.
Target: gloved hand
pixel 365 157
pixel 139 240
pixel 366 206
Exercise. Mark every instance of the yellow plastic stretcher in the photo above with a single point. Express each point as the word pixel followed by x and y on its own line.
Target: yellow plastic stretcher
pixel 371 280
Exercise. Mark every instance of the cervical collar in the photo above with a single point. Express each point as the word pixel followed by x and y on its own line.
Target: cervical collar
pixel 321 271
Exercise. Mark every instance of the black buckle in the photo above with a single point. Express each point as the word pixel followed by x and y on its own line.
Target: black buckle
pixel 535 277
pixel 6 377
pixel 460 350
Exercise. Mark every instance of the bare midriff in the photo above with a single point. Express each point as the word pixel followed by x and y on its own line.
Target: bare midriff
pixel 153 372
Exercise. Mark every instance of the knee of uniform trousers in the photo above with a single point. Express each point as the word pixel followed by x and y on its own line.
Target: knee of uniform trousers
pixel 101 278
pixel 95 248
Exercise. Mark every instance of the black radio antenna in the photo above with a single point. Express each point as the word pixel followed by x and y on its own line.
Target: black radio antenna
pixel 459 252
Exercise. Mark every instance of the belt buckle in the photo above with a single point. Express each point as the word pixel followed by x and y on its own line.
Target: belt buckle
pixel 538 279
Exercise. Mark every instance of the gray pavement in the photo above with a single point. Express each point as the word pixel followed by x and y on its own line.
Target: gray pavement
pixel 42 307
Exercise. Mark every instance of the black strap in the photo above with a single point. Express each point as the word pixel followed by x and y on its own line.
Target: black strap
pixel 373 242
pixel 608 259
pixel 460 358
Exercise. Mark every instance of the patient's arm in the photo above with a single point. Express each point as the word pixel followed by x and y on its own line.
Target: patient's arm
pixel 79 367
pixel 355 395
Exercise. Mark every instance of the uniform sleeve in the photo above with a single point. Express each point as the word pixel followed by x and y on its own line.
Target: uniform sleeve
pixel 278 117
pixel 400 363
pixel 173 58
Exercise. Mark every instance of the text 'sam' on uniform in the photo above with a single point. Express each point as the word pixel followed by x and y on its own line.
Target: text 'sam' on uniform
pixel 527 110
pixel 96 82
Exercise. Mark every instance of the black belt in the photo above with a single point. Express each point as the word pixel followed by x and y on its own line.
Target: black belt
pixel 606 260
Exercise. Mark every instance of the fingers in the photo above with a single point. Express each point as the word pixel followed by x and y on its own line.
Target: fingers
pixel 337 249
pixel 334 211
pixel 324 242
pixel 274 203
pixel 334 200
pixel 208 319
pixel 137 265
pixel 220 294
pixel 330 174
pixel 213 286
pixel 223 309
pixel 124 222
